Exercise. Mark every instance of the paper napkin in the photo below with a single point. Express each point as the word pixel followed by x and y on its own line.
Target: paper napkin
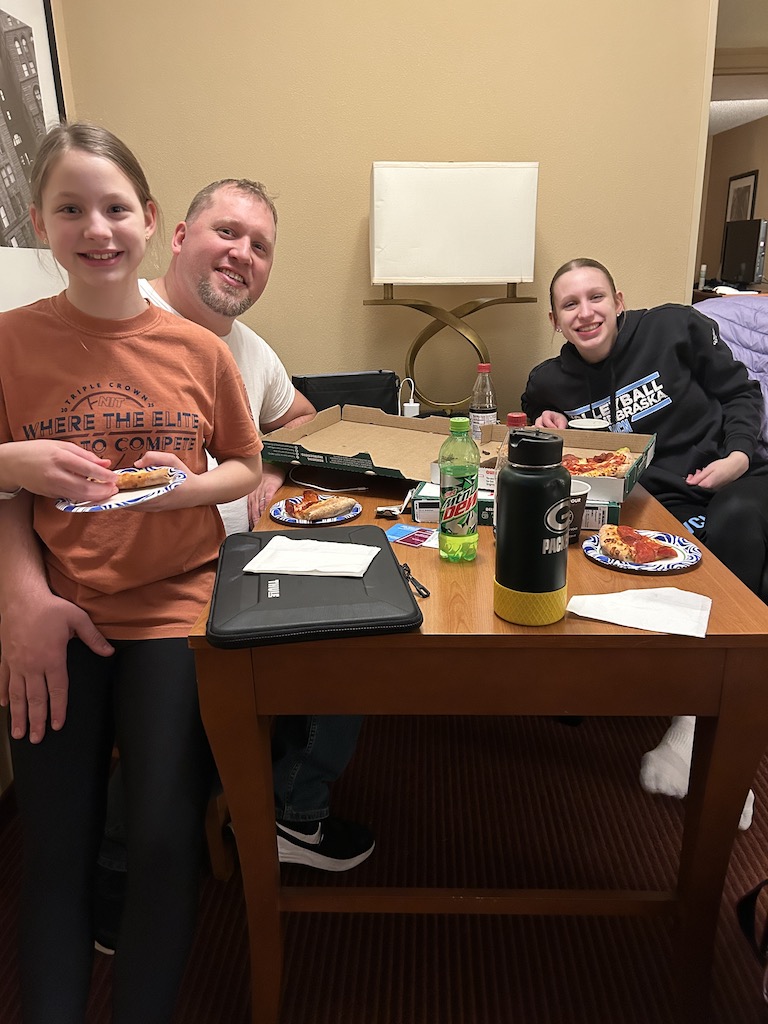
pixel 312 558
pixel 660 609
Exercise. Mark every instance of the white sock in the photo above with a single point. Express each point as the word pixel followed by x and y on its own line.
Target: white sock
pixel 666 768
pixel 746 814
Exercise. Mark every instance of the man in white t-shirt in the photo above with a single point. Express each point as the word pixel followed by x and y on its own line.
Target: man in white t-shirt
pixel 222 255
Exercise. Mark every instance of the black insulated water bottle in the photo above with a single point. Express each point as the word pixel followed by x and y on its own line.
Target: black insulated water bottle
pixel 533 504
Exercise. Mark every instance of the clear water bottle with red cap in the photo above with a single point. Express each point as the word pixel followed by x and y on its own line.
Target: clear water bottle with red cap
pixel 482 405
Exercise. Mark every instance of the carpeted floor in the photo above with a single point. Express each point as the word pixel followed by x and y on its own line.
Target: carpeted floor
pixel 499 802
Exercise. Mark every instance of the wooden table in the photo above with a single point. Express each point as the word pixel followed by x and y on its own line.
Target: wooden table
pixel 721 679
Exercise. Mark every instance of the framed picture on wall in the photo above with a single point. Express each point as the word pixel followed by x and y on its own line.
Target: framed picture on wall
pixel 31 100
pixel 742 189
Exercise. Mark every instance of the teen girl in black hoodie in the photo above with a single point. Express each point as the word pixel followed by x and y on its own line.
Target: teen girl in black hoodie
pixel 664 371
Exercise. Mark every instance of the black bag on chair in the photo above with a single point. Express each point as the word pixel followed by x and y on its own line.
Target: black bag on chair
pixel 375 389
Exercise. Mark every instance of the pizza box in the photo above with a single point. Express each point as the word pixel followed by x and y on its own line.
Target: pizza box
pixel 361 440
pixel 425 505
pixel 425 508
pixel 587 442
pixel 598 513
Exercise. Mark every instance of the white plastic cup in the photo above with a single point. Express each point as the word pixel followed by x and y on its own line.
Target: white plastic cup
pixel 579 494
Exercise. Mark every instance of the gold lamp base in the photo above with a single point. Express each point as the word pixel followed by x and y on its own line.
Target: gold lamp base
pixel 453 318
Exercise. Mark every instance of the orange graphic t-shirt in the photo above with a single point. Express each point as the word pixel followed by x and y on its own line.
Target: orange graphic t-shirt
pixel 154 382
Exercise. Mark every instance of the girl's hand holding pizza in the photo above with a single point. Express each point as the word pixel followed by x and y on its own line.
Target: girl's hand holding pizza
pixel 182 496
pixel 224 483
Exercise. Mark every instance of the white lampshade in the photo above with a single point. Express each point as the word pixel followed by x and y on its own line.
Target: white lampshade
pixel 452 223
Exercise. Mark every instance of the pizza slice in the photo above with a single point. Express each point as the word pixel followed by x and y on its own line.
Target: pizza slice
pixel 627 545
pixel 603 464
pixel 155 476
pixel 300 504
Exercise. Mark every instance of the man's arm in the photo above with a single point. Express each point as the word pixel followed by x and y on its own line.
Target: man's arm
pixel 35 628
pixel 272 475
pixel 300 411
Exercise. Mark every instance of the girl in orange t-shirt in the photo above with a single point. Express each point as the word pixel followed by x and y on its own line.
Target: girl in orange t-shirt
pixel 95 608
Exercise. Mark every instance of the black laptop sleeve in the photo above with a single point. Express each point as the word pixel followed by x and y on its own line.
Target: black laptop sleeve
pixel 255 609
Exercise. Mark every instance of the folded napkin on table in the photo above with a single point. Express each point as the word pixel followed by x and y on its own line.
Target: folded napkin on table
pixel 661 609
pixel 312 558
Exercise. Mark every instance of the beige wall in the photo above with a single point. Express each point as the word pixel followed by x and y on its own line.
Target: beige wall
pixel 610 98
pixel 734 152
pixel 742 24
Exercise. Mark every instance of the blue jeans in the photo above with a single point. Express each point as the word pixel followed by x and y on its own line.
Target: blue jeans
pixel 309 752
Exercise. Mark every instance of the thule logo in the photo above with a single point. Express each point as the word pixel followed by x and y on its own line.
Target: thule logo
pixel 273 588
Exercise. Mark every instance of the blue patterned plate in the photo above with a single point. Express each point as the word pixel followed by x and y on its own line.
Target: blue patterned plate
pixel 687 555
pixel 124 499
pixel 280 512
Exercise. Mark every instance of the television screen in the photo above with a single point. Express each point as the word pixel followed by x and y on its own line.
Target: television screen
pixel 743 249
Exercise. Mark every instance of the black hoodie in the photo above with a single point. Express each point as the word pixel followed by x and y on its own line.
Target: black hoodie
pixel 668 374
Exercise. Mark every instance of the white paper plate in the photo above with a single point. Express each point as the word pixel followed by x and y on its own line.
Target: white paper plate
pixel 279 514
pixel 686 554
pixel 124 499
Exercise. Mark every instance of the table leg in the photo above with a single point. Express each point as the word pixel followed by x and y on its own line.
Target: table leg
pixel 727 751
pixel 241 744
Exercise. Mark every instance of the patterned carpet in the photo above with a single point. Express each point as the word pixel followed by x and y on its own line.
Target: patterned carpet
pixel 486 802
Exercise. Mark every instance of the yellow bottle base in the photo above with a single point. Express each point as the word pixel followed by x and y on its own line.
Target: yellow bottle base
pixel 529 609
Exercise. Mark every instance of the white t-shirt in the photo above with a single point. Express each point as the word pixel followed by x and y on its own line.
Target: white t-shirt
pixel 269 389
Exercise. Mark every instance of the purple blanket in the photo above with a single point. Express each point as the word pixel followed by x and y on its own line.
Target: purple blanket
pixel 743 323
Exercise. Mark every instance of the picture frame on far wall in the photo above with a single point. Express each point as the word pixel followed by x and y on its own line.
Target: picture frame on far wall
pixel 742 190
pixel 32 101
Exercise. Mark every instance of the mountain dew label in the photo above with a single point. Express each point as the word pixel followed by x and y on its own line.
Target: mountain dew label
pixel 458 501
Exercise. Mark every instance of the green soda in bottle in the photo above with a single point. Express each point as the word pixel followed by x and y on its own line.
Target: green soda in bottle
pixel 458 460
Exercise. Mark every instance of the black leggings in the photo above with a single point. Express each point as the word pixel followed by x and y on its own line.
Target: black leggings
pixel 145 697
pixel 735 529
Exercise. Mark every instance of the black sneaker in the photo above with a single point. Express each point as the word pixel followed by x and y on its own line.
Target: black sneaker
pixel 109 897
pixel 333 845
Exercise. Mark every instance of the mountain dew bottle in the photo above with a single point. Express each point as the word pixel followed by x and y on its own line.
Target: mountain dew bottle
pixel 458 460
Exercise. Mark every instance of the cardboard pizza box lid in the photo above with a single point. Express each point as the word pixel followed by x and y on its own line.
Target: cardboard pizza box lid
pixel 361 440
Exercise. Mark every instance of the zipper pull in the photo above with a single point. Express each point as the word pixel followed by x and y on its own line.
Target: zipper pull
pixel 420 589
